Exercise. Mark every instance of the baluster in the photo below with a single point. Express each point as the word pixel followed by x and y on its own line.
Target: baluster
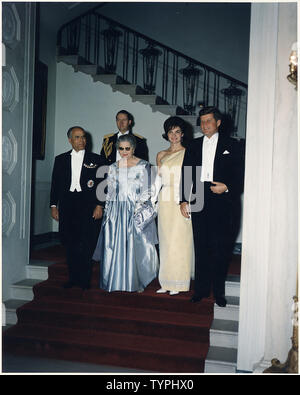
pixel 99 41
pixel 207 89
pixel 175 79
pixel 165 75
pixel 87 37
pixel 218 91
pixel 204 87
pixel 95 38
pixel 135 58
pixel 73 37
pixel 215 93
pixel 125 55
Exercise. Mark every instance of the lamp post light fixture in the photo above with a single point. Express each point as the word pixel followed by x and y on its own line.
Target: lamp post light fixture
pixel 232 99
pixel 150 64
pixel 111 46
pixel 292 77
pixel 190 76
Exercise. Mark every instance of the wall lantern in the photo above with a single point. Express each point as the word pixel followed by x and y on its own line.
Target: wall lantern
pixel 111 45
pixel 292 77
pixel 232 99
pixel 150 64
pixel 190 76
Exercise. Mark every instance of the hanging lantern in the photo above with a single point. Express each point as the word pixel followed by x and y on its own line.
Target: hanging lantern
pixel 190 76
pixel 150 63
pixel 232 99
pixel 73 37
pixel 111 46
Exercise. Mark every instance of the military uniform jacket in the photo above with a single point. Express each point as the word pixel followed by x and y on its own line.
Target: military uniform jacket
pixel 109 152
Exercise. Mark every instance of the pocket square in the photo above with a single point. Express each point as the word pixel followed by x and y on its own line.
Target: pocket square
pixel 226 152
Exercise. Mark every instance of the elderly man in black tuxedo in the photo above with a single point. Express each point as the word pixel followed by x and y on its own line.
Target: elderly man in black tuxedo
pixel 212 164
pixel 75 206
pixel 124 122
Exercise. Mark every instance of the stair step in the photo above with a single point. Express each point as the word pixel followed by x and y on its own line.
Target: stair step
pixel 128 89
pixel 180 303
pixel 145 99
pixel 230 312
pixel 224 333
pixel 96 317
pixel 38 269
pixel 192 119
pixel 23 290
pixel 71 59
pixel 167 109
pixel 232 286
pixel 135 351
pixel 11 306
pixel 109 79
pixel 90 69
pixel 221 360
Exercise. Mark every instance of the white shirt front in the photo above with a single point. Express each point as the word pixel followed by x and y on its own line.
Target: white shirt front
pixel 76 166
pixel 208 157
pixel 118 156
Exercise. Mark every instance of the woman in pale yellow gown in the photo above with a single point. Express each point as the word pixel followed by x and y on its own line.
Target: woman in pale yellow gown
pixel 175 232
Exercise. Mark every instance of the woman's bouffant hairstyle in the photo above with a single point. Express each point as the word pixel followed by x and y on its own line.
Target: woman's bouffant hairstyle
pixel 173 122
pixel 126 138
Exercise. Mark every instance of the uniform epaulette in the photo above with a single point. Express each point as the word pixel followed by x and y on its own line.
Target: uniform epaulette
pixel 108 135
pixel 137 135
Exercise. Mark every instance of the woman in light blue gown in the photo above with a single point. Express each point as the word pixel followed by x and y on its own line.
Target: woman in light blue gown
pixel 127 254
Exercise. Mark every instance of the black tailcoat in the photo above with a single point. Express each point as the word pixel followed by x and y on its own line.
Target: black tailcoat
pixel 78 230
pixel 213 225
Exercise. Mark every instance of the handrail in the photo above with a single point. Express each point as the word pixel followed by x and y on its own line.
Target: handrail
pixel 189 59
pixel 74 20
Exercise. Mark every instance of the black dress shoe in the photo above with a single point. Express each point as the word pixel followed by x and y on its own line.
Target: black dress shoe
pixel 197 298
pixel 221 301
pixel 68 285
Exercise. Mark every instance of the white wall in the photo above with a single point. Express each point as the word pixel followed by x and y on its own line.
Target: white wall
pixel 93 105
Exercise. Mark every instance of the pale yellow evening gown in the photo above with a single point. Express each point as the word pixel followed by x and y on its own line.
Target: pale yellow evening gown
pixel 176 247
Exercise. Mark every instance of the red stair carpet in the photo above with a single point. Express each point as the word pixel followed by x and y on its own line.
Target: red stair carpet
pixel 147 331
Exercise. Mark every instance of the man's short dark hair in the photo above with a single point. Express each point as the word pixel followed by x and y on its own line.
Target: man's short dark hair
pixel 129 116
pixel 211 110
pixel 70 130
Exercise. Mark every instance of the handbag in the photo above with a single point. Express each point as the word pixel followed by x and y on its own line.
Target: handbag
pixel 144 215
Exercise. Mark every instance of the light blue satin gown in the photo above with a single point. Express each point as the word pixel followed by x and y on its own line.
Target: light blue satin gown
pixel 127 255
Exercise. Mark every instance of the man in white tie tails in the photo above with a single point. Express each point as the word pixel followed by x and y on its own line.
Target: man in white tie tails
pixel 219 159
pixel 75 206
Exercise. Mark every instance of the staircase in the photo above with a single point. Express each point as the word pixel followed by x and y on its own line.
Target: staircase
pixel 70 313
pixel 222 354
pixel 148 331
pixel 22 291
pixel 149 71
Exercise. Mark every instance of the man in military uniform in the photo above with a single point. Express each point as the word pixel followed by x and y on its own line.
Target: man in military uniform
pixel 124 122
